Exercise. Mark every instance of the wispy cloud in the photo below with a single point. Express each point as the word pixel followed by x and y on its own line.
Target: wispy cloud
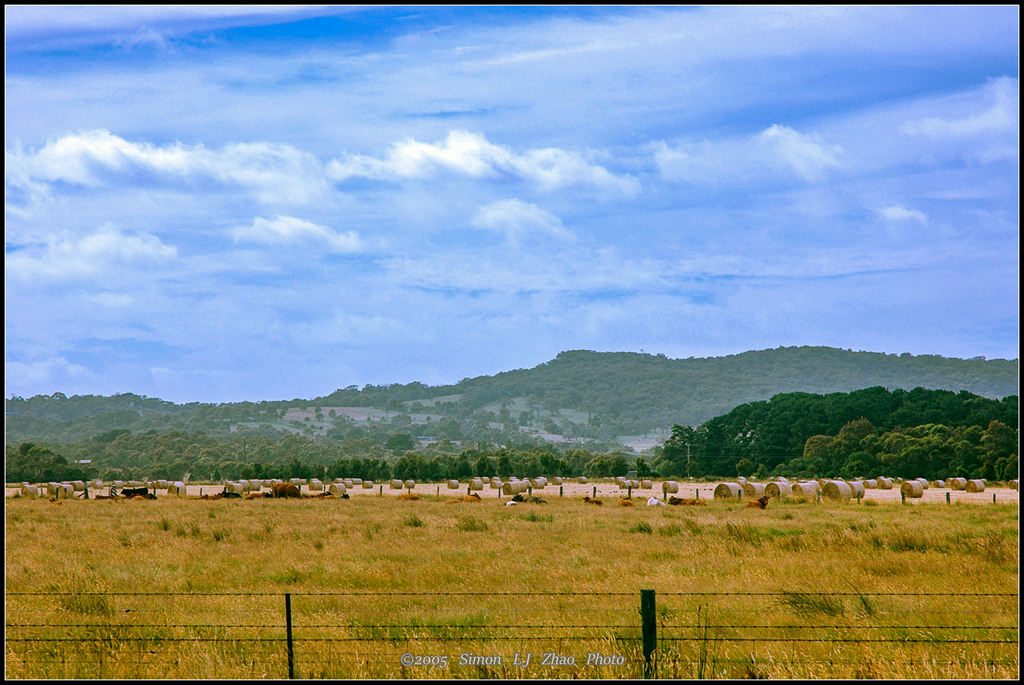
pixel 900 213
pixel 288 230
pixel 96 254
pixel 472 155
pixel 777 149
pixel 519 221
pixel 271 172
pixel 1003 116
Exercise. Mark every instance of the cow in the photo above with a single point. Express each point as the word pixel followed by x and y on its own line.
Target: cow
pixel 625 502
pixel 687 501
pixel 528 499
pixel 258 495
pixel 129 493
pixel 411 496
pixel 759 503
pixel 588 500
pixel 285 490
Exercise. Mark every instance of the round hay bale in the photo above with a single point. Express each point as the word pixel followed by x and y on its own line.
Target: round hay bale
pixel 396 484
pixel 315 485
pixel 177 488
pixel 514 487
pixel 923 482
pixel 295 481
pixel 337 489
pixel 781 479
pixel 837 491
pixel 976 485
pixel 29 490
pixel 410 483
pixel 753 490
pixel 367 485
pixel 118 484
pixel 807 489
pixel 556 480
pixel 646 485
pixel 539 483
pixel 453 485
pixel 778 490
pixel 741 480
pixel 670 486
pixel 822 482
pixel 871 484
pixel 1014 484
pixel 246 485
pixel 582 479
pixel 957 483
pixel 938 484
pixel 728 491
pixel 355 481
pixel 912 488
pixel 495 484
pixel 476 484
pixel 857 486
pixel 883 483
pixel 78 485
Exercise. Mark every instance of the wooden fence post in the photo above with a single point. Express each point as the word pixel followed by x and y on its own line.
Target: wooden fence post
pixel 288 633
pixel 649 628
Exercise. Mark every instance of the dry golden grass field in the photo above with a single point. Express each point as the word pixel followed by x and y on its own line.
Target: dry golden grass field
pixel 185 588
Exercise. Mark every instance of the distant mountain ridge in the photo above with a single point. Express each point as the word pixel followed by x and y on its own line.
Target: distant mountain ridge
pixel 606 393
pixel 653 390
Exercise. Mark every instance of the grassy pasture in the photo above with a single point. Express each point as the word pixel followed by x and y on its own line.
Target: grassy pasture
pixel 372 577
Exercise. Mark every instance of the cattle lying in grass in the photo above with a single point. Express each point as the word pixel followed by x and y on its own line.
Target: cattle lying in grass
pixel 686 501
pixel 759 503
pixel 528 499
pixel 286 490
pixel 655 502
pixel 409 496
pixel 471 497
pixel 588 500
pixel 626 502
pixel 258 495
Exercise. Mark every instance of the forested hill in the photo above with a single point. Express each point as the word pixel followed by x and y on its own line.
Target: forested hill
pixel 652 390
pixel 597 394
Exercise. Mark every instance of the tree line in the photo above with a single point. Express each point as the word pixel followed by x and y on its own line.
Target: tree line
pixel 915 433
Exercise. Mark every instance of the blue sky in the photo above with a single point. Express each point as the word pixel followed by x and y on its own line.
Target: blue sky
pixel 223 204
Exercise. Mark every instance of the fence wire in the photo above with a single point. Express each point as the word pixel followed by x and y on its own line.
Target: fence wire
pixel 497 635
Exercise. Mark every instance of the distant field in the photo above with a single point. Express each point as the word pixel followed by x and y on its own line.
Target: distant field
pixel 880 577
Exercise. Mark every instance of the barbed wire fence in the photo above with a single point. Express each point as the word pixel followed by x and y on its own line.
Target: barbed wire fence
pixel 355 634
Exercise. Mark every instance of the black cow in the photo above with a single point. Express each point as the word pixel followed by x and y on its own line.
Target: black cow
pixel 132 492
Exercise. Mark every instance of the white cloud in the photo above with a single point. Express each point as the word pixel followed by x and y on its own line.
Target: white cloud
pixel 95 254
pixel 1002 117
pixel 518 221
pixel 468 154
pixel 288 230
pixel 806 154
pixel 98 158
pixel 899 213
pixel 777 148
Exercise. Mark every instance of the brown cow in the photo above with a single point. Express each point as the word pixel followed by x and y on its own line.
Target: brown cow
pixel 286 490
pixel 759 503
pixel 686 501
pixel 258 495
pixel 592 501
pixel 626 502
pixel 409 496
